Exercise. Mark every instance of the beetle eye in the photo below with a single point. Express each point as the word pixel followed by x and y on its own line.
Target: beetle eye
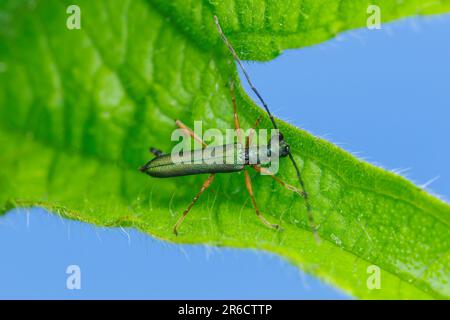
pixel 287 149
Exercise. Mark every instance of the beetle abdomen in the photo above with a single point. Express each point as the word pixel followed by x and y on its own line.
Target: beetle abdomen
pixel 218 159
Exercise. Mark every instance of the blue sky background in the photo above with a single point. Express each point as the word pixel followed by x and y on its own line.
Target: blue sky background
pixel 384 94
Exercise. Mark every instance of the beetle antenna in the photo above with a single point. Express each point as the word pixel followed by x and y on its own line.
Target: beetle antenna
pixel 233 52
pixel 272 119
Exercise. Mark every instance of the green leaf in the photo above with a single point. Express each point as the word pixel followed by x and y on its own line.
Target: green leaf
pixel 79 109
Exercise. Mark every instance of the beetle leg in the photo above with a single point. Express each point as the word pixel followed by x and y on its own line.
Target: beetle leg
pixel 293 189
pixel 205 186
pixel 237 124
pixel 189 132
pixel 156 152
pixel 252 132
pixel 278 180
pixel 248 184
